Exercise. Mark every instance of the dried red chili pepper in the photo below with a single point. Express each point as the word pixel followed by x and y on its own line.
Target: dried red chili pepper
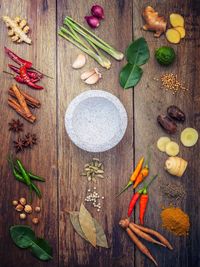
pixel 27 80
pixel 31 74
pixel 17 59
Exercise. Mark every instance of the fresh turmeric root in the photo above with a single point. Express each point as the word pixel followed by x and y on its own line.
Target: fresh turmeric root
pixel 175 34
pixel 17 29
pixel 154 22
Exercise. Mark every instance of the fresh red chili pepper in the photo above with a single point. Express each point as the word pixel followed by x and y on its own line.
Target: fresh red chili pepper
pixel 27 80
pixel 18 60
pixel 133 201
pixel 143 205
pixel 137 195
pixel 31 74
pixel 144 201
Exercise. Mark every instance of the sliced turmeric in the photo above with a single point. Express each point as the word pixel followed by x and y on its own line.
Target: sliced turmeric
pixel 176 20
pixel 173 36
pixel 154 22
pixel 17 29
pixel 181 30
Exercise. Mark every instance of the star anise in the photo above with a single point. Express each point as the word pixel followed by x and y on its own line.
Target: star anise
pixel 30 140
pixel 16 126
pixel 19 144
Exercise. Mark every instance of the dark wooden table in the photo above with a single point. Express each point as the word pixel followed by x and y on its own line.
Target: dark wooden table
pixel 57 159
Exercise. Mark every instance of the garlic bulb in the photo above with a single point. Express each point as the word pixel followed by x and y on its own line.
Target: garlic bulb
pixel 176 166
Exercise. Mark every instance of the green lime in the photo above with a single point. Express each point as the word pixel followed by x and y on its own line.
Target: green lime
pixel 165 55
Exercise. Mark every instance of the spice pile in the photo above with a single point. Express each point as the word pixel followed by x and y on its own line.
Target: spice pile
pixel 172 191
pixel 94 198
pixel 25 209
pixel 175 220
pixel 93 170
pixel 171 83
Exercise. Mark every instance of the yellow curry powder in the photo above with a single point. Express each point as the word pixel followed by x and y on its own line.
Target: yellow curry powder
pixel 175 220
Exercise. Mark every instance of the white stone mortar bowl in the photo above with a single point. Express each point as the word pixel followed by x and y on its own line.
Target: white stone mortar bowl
pixel 96 121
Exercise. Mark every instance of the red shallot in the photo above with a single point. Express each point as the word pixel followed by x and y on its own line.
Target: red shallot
pixel 97 11
pixel 92 21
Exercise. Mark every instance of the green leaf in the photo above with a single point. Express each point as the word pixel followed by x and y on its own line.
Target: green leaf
pixel 130 75
pixel 87 225
pixel 138 52
pixel 22 235
pixel 41 249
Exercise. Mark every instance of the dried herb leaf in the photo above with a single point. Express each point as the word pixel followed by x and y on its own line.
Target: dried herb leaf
pixel 101 237
pixel 74 218
pixel 87 225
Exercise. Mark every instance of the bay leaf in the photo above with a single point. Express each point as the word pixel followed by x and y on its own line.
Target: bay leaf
pixel 87 225
pixel 101 237
pixel 74 218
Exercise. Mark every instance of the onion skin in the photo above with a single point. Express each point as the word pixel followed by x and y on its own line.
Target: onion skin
pixel 92 21
pixel 97 11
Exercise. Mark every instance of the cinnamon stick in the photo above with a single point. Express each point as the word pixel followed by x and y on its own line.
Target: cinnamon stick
pixel 13 104
pixel 31 101
pixel 21 100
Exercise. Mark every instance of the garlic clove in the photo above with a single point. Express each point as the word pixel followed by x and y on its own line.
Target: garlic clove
pixel 92 79
pixel 87 74
pixel 79 62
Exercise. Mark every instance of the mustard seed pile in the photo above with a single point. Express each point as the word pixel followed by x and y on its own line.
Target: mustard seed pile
pixel 170 82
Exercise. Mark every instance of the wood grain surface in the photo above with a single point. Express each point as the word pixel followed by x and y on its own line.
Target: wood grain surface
pixel 61 163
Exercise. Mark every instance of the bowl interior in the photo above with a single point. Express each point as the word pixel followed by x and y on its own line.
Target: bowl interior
pixel 96 120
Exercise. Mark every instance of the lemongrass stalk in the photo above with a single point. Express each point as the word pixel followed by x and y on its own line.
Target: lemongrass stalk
pixel 87 51
pixel 93 38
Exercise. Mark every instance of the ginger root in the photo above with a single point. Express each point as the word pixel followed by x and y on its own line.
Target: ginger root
pixel 154 22
pixel 17 29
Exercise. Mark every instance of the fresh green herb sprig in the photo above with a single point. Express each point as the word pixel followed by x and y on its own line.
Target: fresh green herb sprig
pixel 137 54
pixel 24 237
pixel 73 31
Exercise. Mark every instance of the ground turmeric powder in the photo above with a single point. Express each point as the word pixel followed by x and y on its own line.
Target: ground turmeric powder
pixel 175 220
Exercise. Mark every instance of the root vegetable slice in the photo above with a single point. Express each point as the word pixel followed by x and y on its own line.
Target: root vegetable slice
pixel 189 137
pixel 176 20
pixel 162 142
pixel 172 149
pixel 173 36
pixel 181 30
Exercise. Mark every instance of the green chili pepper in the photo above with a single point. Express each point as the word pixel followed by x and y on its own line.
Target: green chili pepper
pixel 31 175
pixel 36 177
pixel 24 173
pixel 33 186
